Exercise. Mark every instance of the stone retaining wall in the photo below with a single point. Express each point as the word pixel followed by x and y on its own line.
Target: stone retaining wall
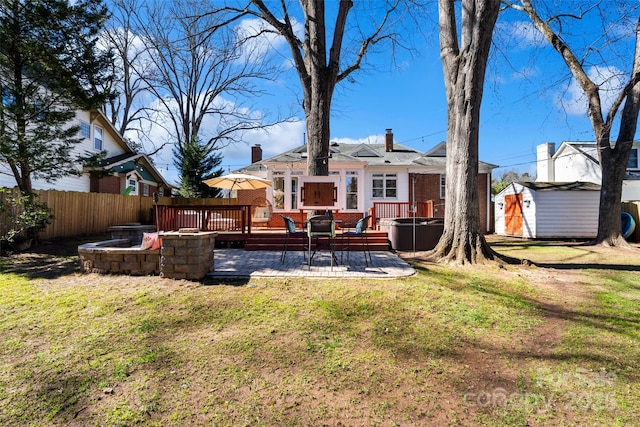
pixel 119 257
pixel 183 255
pixel 187 255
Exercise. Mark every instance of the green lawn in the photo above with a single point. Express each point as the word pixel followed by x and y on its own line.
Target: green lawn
pixel 551 345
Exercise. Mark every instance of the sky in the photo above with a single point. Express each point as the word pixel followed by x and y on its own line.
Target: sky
pixel 529 98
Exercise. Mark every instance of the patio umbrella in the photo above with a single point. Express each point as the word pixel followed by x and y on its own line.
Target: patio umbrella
pixel 238 181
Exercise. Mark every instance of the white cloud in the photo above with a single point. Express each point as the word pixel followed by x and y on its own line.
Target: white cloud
pixel 371 139
pixel 610 80
pixel 525 73
pixel 523 33
pixel 263 40
pixel 274 140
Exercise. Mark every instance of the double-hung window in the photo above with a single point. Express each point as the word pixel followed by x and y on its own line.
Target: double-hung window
pixel 278 190
pixel 294 189
pixel 352 190
pixel 85 130
pixel 384 186
pixel 633 159
pixel 443 186
pixel 97 138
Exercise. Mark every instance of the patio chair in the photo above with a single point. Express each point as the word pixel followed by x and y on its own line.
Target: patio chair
pixel 292 231
pixel 321 226
pixel 359 229
pixel 262 211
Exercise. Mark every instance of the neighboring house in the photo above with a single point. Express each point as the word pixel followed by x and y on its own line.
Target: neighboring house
pixel 123 171
pixel 578 161
pixel 363 174
pixel 548 210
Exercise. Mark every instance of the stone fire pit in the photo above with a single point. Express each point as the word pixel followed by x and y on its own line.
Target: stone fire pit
pixel 184 254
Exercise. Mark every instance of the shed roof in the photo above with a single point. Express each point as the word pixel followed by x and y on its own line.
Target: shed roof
pixel 561 186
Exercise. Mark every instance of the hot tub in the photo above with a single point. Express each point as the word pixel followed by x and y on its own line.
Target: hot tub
pixel 401 232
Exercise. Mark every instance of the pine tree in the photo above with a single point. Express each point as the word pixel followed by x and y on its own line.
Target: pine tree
pixel 197 162
pixel 49 68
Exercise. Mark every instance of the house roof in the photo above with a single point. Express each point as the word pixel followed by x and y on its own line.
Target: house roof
pixel 127 162
pixel 561 186
pixel 371 154
pixel 585 148
pixel 589 150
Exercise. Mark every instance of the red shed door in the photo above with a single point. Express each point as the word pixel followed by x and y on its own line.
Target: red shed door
pixel 513 214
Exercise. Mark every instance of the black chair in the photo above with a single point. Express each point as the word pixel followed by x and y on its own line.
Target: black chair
pixel 292 231
pixel 321 226
pixel 360 230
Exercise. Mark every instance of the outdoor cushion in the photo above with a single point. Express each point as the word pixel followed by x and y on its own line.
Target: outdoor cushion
pixel 261 213
pixel 150 241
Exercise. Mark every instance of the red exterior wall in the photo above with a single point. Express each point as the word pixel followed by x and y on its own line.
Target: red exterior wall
pixel 109 184
pixel 428 188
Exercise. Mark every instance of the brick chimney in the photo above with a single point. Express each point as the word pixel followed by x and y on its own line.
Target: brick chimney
pixel 388 141
pixel 256 153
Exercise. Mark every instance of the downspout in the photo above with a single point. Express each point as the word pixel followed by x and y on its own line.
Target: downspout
pixel 488 202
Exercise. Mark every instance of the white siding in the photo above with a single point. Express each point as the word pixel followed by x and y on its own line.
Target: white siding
pixel 403 186
pixel 630 190
pixel 73 182
pixel 528 214
pixel 572 167
pixel 567 214
pixel 552 214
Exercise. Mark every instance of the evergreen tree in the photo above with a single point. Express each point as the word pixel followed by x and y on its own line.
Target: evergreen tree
pixel 49 68
pixel 197 162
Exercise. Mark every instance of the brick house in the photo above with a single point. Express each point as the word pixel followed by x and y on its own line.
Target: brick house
pixel 360 175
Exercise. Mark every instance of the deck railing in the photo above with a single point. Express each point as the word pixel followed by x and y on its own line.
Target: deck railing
pixel 236 218
pixel 400 210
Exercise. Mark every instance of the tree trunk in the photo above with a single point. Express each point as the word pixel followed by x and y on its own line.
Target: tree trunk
pixel 318 138
pixel 609 224
pixel 613 161
pixel 319 81
pixel 464 70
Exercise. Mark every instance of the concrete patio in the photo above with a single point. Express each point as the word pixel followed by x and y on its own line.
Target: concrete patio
pixel 238 263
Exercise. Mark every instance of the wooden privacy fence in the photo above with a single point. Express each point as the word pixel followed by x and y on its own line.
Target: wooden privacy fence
pixel 78 214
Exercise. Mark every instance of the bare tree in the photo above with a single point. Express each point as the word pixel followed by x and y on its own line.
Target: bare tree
pixel 130 111
pixel 464 60
pixel 201 73
pixel 322 59
pixel 613 156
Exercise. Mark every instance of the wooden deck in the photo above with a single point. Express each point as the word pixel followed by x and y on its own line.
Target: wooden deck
pixel 273 240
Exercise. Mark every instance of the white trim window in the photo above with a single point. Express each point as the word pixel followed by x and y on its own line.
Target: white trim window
pixel 633 159
pixel 98 138
pixel 352 190
pixel 145 190
pixel 85 129
pixel 384 186
pixel 132 183
pixel 278 190
pixel 294 189
pixel 443 186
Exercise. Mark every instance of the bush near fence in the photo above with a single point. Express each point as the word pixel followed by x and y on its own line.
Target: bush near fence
pixel 81 214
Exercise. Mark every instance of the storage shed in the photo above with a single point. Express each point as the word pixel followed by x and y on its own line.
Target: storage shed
pixel 548 210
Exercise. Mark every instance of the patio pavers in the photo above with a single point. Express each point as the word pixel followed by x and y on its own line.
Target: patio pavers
pixel 238 263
